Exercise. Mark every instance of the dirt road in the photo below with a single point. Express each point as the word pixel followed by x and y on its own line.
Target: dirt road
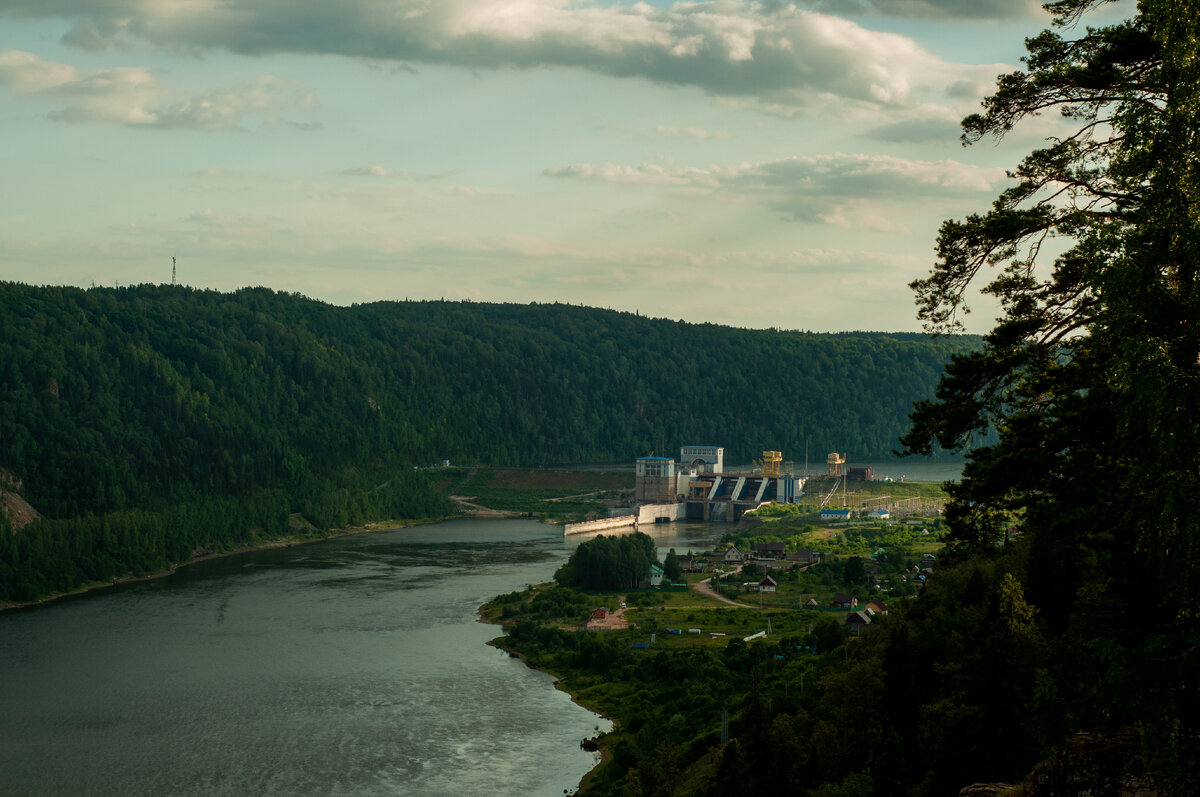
pixel 612 622
pixel 704 588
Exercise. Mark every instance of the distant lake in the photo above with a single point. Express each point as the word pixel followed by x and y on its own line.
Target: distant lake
pixel 352 666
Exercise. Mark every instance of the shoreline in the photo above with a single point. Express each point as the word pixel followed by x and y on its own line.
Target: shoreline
pixel 605 753
pixel 280 542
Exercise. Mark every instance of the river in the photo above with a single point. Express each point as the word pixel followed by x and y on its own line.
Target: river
pixel 352 666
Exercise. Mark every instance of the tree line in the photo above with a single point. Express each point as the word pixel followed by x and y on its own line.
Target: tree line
pixel 133 402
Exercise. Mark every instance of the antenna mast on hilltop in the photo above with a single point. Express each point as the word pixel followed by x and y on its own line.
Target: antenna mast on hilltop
pixel 172 270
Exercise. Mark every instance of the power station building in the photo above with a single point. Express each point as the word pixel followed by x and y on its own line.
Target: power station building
pixel 701 483
pixel 654 481
pixel 703 459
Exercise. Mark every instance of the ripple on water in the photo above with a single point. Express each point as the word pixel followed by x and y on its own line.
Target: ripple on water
pixel 352 667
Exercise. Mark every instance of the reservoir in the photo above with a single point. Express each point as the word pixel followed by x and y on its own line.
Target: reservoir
pixel 352 666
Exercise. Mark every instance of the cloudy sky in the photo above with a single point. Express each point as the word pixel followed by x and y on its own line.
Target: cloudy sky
pixel 760 164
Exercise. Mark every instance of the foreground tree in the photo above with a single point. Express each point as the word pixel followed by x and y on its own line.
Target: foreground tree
pixel 1090 377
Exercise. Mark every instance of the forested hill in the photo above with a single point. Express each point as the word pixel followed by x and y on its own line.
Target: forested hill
pixel 125 397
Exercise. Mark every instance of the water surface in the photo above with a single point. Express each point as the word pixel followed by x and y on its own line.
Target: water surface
pixel 347 667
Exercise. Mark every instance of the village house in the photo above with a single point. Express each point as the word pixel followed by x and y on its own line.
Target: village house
pixel 733 555
pixel 803 557
pixel 597 620
pixel 769 550
pixel 856 622
pixel 767 585
pixel 843 601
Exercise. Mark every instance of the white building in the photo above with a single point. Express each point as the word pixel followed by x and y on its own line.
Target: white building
pixel 703 459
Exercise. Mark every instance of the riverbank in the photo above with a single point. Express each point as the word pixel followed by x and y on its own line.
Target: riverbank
pixel 278 542
pixel 604 752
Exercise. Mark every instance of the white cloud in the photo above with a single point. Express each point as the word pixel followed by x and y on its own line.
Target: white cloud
pixel 28 74
pixel 838 174
pixel 779 54
pixel 861 192
pixel 224 108
pixel 689 132
pixel 132 96
pixel 854 215
pixel 647 174
pixel 874 175
pixel 378 171
pixel 966 9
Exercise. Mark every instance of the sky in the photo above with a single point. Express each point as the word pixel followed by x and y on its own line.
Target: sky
pixel 756 164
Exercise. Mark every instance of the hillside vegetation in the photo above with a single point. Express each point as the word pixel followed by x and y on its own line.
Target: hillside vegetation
pixel 132 415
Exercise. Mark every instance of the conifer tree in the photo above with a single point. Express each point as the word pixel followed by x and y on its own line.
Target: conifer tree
pixel 1090 376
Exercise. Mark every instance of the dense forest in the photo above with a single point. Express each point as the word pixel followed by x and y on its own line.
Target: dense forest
pixel 116 398
pixel 122 407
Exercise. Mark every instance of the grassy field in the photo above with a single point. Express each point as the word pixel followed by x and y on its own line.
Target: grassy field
pixel 560 496
pixel 684 611
pixel 728 621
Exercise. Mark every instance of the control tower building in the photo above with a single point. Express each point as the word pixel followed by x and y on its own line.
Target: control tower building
pixel 703 459
pixel 654 480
